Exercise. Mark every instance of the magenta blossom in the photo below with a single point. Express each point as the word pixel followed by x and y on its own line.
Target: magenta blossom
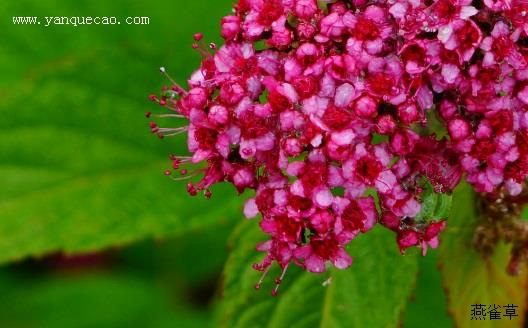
pixel 323 109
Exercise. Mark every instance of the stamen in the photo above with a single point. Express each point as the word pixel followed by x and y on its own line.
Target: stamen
pixel 264 274
pixel 153 127
pixel 173 157
pixel 177 161
pixel 204 53
pixel 187 177
pixel 169 132
pixel 191 189
pixel 208 194
pixel 278 281
pixel 173 134
pixel 164 72
pixel 176 87
pixel 164 115
pixel 202 48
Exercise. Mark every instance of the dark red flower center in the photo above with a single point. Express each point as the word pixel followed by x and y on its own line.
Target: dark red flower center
pixel 502 47
pixel 380 84
pixel 468 36
pixel 271 11
pixel 518 13
pixel 368 168
pixel 278 102
pixel 502 122
pixel 325 248
pixel 445 9
pixel 314 176
pixel 353 217
pixel 305 86
pixel 483 149
pixel 337 118
pixel 366 29
pixel 414 53
pixel 206 138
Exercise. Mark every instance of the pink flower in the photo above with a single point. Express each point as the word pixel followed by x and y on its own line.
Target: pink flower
pixel 320 250
pixel 305 9
pixel 516 12
pixel 447 11
pixel 499 46
pixel 422 237
pixel 369 30
pixel 464 36
pixel 313 104
pixel 368 167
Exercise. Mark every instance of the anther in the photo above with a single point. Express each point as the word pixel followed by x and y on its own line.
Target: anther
pixel 208 194
pixel 191 189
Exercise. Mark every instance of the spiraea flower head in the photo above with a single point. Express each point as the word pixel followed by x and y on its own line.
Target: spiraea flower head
pixel 329 111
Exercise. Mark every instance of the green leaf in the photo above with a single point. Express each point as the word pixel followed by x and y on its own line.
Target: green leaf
pixel 428 307
pixel 79 169
pixel 435 206
pixel 373 292
pixel 471 279
pixel 91 300
pixel 190 260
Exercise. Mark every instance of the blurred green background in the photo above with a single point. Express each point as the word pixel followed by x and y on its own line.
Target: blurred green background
pixel 79 171
pixel 91 232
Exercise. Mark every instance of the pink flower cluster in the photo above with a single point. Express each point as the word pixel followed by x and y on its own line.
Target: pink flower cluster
pixel 327 108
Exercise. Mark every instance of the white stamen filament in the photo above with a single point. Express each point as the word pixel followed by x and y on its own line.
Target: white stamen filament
pixel 183 128
pixel 187 177
pixel 264 274
pixel 164 72
pixel 168 115
pixel 276 289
